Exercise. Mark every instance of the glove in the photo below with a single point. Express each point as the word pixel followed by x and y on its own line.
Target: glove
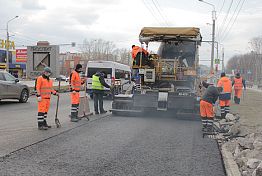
pixel 39 99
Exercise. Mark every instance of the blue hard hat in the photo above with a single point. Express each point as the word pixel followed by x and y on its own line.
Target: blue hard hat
pixel 48 69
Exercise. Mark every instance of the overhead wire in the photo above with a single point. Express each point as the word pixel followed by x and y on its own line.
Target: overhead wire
pixel 234 19
pixel 218 14
pixel 227 26
pixel 221 8
pixel 25 37
pixel 159 11
pixel 152 13
pixel 166 17
pixel 224 20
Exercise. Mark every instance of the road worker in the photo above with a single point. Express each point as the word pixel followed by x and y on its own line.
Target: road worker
pixel 98 84
pixel 44 88
pixel 75 83
pixel 136 55
pixel 207 102
pixel 238 84
pixel 225 96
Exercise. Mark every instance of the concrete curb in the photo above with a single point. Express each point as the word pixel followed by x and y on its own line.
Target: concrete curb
pixel 230 165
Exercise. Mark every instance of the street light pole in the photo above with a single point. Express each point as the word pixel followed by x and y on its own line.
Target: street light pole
pixel 213 35
pixel 213 40
pixel 7 44
pixel 223 64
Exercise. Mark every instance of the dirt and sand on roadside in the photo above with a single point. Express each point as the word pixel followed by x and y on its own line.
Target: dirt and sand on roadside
pixel 250 111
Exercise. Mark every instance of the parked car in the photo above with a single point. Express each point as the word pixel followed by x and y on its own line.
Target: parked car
pixel 10 88
pixel 63 78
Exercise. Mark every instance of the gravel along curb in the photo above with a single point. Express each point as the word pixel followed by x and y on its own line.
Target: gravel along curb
pixel 230 165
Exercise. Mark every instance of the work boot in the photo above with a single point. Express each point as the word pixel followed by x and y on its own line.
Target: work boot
pixel 74 120
pixel 235 99
pixel 43 128
pixel 209 128
pixel 79 118
pixel 204 129
pixel 238 100
pixel 46 125
pixel 103 112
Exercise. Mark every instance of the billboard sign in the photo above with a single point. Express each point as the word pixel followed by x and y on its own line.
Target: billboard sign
pixel 40 56
pixel 21 55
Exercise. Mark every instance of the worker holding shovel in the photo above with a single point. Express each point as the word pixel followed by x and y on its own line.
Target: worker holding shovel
pixel 44 88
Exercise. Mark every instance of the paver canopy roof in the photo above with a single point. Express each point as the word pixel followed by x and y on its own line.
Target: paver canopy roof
pixel 170 31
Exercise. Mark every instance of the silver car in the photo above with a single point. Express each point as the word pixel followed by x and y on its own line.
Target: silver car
pixel 10 88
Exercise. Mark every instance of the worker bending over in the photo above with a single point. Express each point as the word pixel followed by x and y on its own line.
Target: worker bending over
pixel 207 102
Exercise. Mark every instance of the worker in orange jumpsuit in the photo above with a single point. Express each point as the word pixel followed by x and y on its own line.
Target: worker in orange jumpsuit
pixel 44 88
pixel 207 102
pixel 75 86
pixel 238 84
pixel 136 56
pixel 225 96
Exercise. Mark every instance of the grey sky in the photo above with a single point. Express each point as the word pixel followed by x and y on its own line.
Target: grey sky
pixel 64 21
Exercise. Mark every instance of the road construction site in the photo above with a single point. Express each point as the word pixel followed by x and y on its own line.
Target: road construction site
pixel 105 145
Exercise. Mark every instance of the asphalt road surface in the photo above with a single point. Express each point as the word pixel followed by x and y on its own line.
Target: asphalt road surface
pixel 18 122
pixel 107 145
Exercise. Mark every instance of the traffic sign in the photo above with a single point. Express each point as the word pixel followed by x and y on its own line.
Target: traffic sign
pixel 217 61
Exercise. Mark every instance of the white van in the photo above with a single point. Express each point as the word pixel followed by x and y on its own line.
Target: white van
pixel 116 73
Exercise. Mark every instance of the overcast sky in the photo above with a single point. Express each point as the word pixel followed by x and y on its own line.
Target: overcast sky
pixel 120 21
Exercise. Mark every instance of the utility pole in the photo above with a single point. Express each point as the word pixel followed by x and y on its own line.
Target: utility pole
pixel 8 43
pixel 213 40
pixel 213 35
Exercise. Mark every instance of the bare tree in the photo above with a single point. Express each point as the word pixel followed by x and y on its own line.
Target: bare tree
pixel 249 64
pixel 99 49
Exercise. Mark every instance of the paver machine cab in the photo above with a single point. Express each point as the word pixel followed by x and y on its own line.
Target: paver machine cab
pixel 168 80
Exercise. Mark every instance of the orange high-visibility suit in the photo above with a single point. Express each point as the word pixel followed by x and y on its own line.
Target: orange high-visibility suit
pixel 135 51
pixel 44 88
pixel 75 86
pixel 206 109
pixel 225 95
pixel 238 84
pixel 206 105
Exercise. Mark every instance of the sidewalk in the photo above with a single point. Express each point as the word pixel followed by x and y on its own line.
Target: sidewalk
pixel 250 109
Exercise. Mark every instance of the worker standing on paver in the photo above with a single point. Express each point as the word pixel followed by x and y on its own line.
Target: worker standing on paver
pixel 207 102
pixel 136 54
pixel 44 88
pixel 238 84
pixel 98 84
pixel 75 83
pixel 225 96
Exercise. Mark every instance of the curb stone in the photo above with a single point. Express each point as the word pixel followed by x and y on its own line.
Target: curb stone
pixel 230 165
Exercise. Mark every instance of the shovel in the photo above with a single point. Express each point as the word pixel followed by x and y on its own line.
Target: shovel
pixel 57 122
